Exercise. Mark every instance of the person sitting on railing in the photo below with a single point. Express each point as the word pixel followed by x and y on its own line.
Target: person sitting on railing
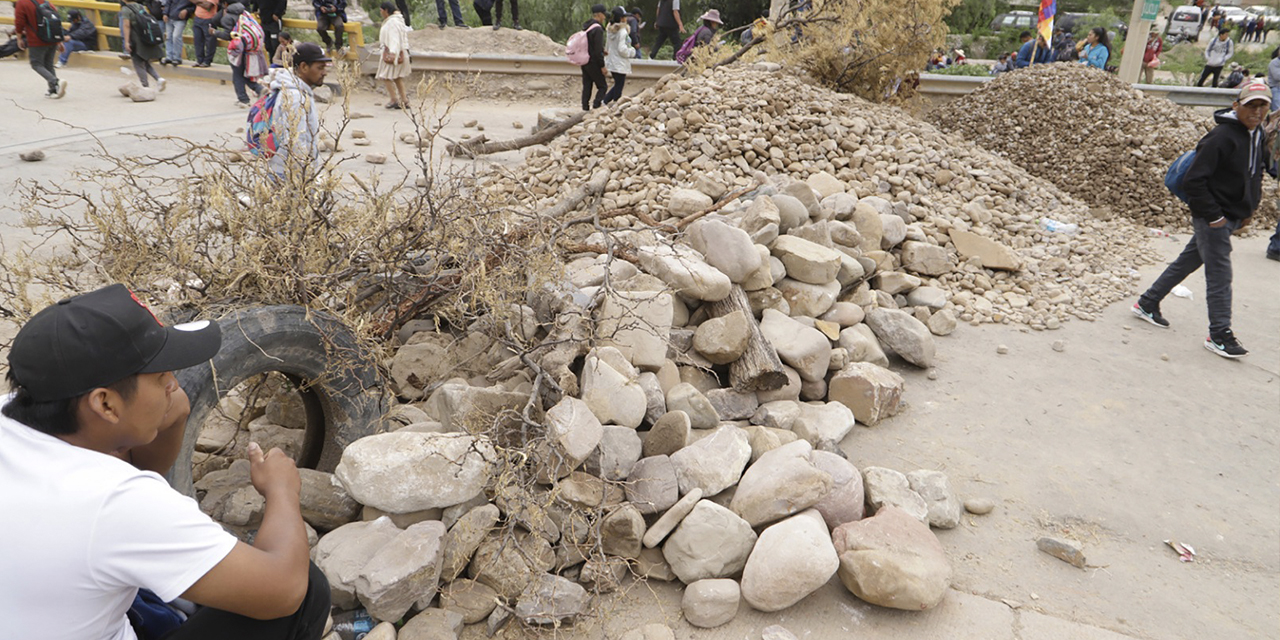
pixel 82 36
pixel 1032 52
pixel 330 13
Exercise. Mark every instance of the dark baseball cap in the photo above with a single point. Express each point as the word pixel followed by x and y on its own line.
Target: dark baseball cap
pixel 309 52
pixel 99 338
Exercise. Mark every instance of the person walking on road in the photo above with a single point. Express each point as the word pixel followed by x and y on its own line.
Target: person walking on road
pixel 27 20
pixel 246 53
pixel 295 122
pixel 618 53
pixel 669 27
pixel 1223 187
pixel 1216 55
pixel 593 71
pixel 393 65
pixel 202 37
pixel 83 36
pixel 141 52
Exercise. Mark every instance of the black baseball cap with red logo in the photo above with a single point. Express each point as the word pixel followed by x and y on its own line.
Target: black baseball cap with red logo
pixel 99 338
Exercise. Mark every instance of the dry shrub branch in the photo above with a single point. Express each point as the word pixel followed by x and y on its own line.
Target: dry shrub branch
pixel 864 47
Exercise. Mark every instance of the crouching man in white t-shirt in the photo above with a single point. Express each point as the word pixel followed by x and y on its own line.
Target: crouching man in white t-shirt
pixel 95 416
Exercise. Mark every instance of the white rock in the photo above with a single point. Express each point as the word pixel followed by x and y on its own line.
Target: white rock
pixel 791 560
pixel 711 602
pixel 574 430
pixel 944 506
pixel 805 260
pixel 809 300
pixel 620 448
pixel 782 482
pixel 404 472
pixel 889 488
pixel 803 348
pixel 823 422
pixel 684 202
pixel 895 230
pixel 685 271
pixel 711 542
pixel 723 340
pixel 612 397
pixel 686 397
pixel 727 248
pixel 342 553
pixel 405 571
pixel 907 336
pixel 637 323
pixel 713 463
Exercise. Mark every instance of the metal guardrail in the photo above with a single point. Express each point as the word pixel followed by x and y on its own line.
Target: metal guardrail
pixel 435 61
pixel 93 12
pixel 944 85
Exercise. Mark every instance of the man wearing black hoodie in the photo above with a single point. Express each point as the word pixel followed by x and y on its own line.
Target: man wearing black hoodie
pixel 593 71
pixel 1223 187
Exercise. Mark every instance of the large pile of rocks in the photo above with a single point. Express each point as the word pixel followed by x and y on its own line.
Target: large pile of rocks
pixel 1095 137
pixel 681 419
pixel 850 175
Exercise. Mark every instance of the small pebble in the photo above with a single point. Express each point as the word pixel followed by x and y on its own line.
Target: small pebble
pixel 1002 349
pixel 32 156
pixel 479 127
pixel 1068 551
pixel 470 123
pixel 356 134
pixel 1059 346
pixel 932 375
pixel 517 125
pixel 1164 356
pixel 776 632
pixel 979 506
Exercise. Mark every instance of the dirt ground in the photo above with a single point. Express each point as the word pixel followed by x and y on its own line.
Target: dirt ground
pixel 1129 436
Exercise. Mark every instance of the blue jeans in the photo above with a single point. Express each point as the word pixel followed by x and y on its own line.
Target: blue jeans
pixel 1274 245
pixel 1210 248
pixel 205 41
pixel 173 38
pixel 69 47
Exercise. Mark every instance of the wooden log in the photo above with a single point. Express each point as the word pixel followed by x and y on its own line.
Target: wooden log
pixel 481 146
pixel 759 368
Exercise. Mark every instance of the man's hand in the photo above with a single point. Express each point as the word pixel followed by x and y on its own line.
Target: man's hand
pixel 1243 223
pixel 1219 223
pixel 273 473
pixel 22 42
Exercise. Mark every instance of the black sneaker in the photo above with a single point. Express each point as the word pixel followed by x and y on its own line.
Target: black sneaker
pixel 443 25
pixel 1225 345
pixel 1272 255
pixel 1150 314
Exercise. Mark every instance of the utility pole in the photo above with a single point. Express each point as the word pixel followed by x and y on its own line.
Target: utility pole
pixel 1140 21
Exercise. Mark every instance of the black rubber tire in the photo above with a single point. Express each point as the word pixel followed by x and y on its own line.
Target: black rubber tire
pixel 339 382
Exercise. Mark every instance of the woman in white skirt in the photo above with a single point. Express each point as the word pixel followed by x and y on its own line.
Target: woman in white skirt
pixel 393 66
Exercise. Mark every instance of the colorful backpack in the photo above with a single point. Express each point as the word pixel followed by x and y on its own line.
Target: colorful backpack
pixel 251 35
pixel 576 50
pixel 690 43
pixel 258 134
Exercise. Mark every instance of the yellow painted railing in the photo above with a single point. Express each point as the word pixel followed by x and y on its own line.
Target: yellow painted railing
pixel 93 12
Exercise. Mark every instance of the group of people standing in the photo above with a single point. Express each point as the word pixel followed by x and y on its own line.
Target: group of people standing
pixel 613 41
pixel 1094 50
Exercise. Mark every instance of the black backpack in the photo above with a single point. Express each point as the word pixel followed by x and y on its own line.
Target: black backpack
pixel 48 22
pixel 150 32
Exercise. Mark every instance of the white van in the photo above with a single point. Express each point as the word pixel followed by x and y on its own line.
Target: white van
pixel 1185 22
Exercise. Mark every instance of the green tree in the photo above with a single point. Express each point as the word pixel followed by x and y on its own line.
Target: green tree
pixel 974 16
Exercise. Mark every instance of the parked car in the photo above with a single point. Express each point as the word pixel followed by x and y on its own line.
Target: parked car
pixel 1234 16
pixel 1269 14
pixel 1184 24
pixel 1018 20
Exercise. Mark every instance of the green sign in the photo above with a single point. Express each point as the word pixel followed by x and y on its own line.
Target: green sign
pixel 1150 9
